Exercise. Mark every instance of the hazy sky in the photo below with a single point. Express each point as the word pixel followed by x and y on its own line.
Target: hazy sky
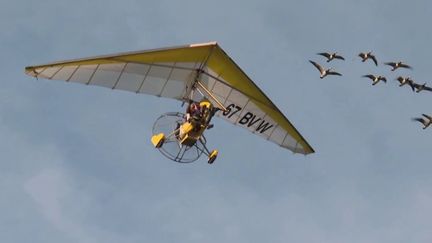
pixel 77 165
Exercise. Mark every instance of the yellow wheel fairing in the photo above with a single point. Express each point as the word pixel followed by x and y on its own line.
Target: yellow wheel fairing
pixel 157 140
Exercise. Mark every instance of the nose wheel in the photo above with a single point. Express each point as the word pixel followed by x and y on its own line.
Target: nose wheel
pixel 212 156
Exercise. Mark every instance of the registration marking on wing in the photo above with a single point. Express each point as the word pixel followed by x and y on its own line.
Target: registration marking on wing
pixel 248 119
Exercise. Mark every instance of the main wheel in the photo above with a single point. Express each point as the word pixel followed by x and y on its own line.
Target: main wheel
pixel 168 124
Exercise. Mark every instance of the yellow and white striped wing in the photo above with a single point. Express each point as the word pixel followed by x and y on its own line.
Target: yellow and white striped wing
pixel 171 73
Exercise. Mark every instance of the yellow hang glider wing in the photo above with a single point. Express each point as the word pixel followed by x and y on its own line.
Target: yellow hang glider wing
pixel 173 73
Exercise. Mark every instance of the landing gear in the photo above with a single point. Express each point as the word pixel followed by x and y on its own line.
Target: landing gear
pixel 212 157
pixel 158 140
pixel 170 146
pixel 177 140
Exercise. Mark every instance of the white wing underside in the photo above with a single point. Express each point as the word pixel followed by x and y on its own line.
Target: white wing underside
pixel 175 80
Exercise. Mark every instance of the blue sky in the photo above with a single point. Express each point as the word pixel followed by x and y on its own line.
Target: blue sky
pixel 77 165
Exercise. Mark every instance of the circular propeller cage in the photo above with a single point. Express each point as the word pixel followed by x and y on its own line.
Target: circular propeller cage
pixel 171 148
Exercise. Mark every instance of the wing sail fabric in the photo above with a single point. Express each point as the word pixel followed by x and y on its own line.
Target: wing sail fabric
pixel 245 112
pixel 160 80
pixel 171 72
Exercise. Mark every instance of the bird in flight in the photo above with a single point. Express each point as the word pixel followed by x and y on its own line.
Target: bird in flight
pixel 331 56
pixel 368 55
pixel 421 87
pixel 324 72
pixel 403 81
pixel 425 120
pixel 375 78
pixel 396 65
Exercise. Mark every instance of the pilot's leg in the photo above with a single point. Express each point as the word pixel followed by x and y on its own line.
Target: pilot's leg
pixel 177 130
pixel 182 132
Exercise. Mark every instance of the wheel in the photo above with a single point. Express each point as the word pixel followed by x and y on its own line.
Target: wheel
pixel 158 140
pixel 212 156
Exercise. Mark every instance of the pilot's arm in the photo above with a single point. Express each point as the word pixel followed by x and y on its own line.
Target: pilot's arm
pixel 188 116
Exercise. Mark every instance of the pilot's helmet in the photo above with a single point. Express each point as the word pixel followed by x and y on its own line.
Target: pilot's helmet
pixel 205 103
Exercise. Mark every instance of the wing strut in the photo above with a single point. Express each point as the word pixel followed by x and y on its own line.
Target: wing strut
pixel 200 85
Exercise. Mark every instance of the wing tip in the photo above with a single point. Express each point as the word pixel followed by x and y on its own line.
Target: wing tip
pixel 30 70
pixel 308 150
pixel 304 152
pixel 304 149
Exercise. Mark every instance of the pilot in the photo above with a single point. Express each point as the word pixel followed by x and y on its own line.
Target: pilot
pixel 193 116
pixel 207 112
pixel 193 111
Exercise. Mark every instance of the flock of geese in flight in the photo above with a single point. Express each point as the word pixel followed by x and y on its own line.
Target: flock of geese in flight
pixel 426 120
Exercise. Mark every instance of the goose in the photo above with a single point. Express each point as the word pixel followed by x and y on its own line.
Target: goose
pixel 425 120
pixel 396 65
pixel 367 55
pixel 421 87
pixel 403 81
pixel 324 72
pixel 375 79
pixel 331 56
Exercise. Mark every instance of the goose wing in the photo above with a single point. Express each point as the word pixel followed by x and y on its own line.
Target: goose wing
pixel 412 85
pixel 403 65
pixel 339 57
pixel 369 76
pixel 321 69
pixel 428 88
pixel 374 59
pixel 325 54
pixel 416 85
pixel 419 119
pixel 428 117
pixel 393 64
pixel 333 73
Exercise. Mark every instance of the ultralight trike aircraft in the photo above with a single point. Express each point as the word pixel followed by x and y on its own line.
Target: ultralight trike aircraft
pixel 203 76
